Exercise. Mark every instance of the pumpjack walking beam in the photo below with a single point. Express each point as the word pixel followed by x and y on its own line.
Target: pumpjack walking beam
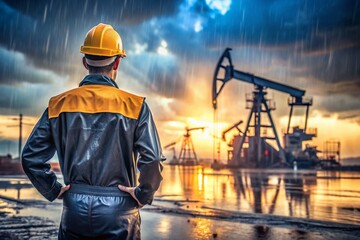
pixel 236 125
pixel 231 73
pixel 259 100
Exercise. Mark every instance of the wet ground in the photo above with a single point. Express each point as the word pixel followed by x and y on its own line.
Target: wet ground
pixel 200 203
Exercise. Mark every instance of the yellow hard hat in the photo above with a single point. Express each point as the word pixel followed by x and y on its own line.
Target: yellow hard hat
pixel 103 40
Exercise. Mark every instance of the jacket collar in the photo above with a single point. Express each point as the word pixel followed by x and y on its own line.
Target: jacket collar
pixel 98 79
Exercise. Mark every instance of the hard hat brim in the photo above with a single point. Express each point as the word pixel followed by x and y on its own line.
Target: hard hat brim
pixel 102 51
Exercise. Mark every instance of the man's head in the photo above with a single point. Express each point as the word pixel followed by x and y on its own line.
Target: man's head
pixel 103 50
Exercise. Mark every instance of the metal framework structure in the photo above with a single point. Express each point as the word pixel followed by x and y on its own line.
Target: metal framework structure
pixel 236 125
pixel 231 143
pixel 187 154
pixel 332 150
pixel 224 72
pixel 292 102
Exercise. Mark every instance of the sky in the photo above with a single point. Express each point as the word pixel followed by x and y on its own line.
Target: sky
pixel 172 50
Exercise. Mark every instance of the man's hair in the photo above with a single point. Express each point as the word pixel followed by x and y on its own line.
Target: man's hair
pixel 103 69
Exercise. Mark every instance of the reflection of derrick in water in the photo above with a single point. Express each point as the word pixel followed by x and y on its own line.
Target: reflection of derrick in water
pixel 261 231
pixel 296 194
pixel 12 185
pixel 272 207
pixel 257 186
pixel 192 180
pixel 295 189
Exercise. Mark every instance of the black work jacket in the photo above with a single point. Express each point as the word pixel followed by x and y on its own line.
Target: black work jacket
pixel 101 134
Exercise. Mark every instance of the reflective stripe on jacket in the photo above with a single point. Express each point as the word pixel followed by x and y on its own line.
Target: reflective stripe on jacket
pixel 101 134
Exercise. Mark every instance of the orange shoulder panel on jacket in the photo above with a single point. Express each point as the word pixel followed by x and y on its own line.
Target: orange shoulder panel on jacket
pixel 96 99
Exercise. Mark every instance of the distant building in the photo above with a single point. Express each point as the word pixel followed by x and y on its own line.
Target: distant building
pixel 10 166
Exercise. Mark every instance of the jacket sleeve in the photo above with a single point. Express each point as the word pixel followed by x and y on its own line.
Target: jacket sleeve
pixel 39 149
pixel 147 145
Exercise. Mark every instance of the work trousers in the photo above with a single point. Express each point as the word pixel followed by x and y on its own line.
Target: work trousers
pixel 92 212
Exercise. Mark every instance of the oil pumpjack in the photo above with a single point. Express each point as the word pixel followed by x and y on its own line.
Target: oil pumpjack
pixel 254 150
pixel 231 143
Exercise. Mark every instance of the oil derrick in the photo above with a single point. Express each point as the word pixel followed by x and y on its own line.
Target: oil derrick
pixel 258 153
pixel 187 154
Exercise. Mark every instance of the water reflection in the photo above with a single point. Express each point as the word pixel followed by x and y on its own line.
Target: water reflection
pixel 14 187
pixel 329 196
pixel 298 195
pixel 261 232
pixel 305 194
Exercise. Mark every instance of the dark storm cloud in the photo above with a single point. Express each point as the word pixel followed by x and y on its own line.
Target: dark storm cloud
pixel 21 99
pixel 340 67
pixel 322 33
pixel 30 101
pixel 283 22
pixel 353 116
pixel 15 69
pixel 49 31
pixel 48 34
pixel 339 103
pixel 316 39
pixel 126 12
pixel 159 74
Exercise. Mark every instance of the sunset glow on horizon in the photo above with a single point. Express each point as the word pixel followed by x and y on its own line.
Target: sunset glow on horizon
pixel 172 55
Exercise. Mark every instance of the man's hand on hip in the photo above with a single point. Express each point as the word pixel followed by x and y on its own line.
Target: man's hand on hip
pixel 62 191
pixel 131 191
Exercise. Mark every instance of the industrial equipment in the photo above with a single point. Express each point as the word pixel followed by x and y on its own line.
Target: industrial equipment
pixel 236 125
pixel 171 146
pixel 187 154
pixel 332 150
pixel 231 143
pixel 258 153
pixel 295 137
pixel 331 155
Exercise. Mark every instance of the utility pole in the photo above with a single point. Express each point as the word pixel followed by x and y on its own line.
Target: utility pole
pixel 20 134
pixel 20 131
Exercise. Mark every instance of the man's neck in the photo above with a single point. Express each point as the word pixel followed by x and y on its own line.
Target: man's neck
pixel 110 75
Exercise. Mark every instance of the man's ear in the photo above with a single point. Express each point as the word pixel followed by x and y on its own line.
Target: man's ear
pixel 85 63
pixel 116 64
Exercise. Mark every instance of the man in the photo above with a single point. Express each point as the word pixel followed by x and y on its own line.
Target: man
pixel 101 134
